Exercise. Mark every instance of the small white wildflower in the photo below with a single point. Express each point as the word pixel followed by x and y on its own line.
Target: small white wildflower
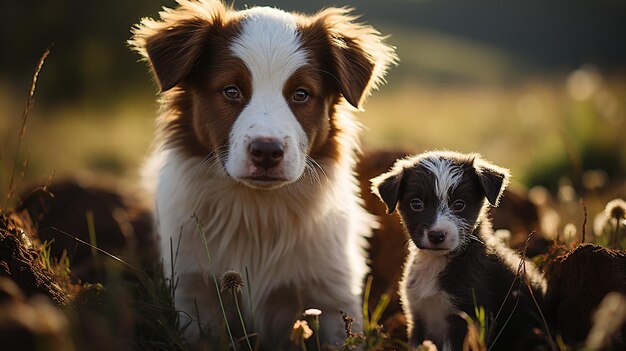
pixel 312 312
pixel 569 232
pixel 598 223
pixel 539 195
pixel 427 345
pixel 301 331
pixel 550 223
pixel 616 209
pixel 566 193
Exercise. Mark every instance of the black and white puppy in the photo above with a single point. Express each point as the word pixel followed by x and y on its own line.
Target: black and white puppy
pixel 456 264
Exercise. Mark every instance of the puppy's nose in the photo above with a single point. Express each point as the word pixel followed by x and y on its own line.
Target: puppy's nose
pixel 266 153
pixel 436 236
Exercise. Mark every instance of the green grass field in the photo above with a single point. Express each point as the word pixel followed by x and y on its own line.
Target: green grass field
pixel 527 127
pixel 563 131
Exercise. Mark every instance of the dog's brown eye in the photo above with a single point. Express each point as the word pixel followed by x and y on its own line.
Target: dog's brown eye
pixel 458 206
pixel 300 95
pixel 417 205
pixel 232 93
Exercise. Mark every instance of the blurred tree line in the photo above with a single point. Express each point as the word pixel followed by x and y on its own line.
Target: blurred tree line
pixel 90 58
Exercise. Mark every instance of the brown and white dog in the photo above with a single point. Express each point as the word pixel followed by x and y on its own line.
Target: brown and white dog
pixel 258 140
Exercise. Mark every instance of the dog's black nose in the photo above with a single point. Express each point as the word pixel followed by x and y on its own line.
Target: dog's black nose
pixel 436 236
pixel 266 153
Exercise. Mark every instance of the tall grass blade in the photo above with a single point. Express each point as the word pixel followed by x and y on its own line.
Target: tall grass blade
pixel 249 291
pixel 379 309
pixel 243 324
pixel 91 228
pixel 200 227
pixel 366 297
pixel 30 101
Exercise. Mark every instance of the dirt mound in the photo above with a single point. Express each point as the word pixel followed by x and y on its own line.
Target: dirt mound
pixel 578 280
pixel 121 225
pixel 20 262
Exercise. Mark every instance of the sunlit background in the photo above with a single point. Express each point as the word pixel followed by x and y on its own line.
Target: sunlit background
pixel 535 86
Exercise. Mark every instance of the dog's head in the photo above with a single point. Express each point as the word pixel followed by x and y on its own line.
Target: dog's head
pixel 441 196
pixel 258 89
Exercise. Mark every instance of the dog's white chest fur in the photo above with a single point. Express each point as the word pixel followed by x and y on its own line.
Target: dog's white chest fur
pixel 423 298
pixel 307 236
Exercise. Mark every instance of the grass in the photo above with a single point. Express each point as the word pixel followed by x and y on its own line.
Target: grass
pixel 536 129
pixel 529 128
pixel 112 140
pixel 158 324
pixel 200 227
pixel 544 130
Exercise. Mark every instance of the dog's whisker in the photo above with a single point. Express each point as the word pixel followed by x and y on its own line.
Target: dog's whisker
pixel 203 163
pixel 210 161
pixel 310 166
pixel 310 172
pixel 315 174
pixel 311 160
pixel 475 238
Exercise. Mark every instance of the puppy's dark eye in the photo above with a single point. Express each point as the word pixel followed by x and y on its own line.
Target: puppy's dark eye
pixel 458 206
pixel 232 93
pixel 417 205
pixel 300 95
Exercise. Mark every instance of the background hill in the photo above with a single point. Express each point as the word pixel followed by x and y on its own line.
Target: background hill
pixel 537 86
pixel 446 41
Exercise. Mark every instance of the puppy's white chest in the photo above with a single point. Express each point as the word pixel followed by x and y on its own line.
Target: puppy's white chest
pixel 424 297
pixel 421 278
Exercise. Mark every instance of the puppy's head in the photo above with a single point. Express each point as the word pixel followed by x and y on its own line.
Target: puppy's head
pixel 441 196
pixel 258 89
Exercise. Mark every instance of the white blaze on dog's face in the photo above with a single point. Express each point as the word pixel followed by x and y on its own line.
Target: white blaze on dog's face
pixel 447 226
pixel 267 143
pixel 441 196
pixel 259 90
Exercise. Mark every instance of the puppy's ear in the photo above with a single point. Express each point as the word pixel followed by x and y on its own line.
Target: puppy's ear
pixel 360 56
pixel 174 44
pixel 493 180
pixel 387 187
pixel 174 51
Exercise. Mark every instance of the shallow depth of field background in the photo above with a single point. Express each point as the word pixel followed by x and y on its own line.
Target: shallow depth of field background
pixel 535 86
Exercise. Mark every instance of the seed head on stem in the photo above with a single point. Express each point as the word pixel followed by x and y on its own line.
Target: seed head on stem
pixel 231 280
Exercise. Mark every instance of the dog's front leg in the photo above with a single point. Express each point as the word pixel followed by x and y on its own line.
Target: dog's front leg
pixel 195 299
pixel 275 316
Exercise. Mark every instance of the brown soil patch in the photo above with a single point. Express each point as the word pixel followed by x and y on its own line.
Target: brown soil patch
pixel 21 263
pixel 578 280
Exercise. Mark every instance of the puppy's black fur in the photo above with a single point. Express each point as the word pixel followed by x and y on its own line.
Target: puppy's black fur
pixel 457 265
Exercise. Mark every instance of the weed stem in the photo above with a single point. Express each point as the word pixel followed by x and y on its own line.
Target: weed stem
pixel 243 324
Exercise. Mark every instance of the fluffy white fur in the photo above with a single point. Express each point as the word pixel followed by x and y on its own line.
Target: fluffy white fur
pixel 301 236
pixel 421 294
pixel 447 176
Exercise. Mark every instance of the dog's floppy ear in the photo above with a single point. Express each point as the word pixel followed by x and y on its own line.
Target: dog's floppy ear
pixel 174 51
pixel 174 44
pixel 493 180
pixel 387 187
pixel 361 57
